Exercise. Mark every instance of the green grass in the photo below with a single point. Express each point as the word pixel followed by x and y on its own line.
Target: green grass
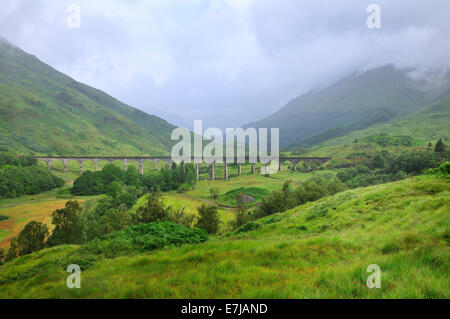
pixel 39 207
pixel 425 126
pixel 190 205
pixel 318 250
pixel 248 180
pixel 230 197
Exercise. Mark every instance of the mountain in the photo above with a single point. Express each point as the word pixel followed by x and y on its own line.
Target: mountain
pixel 353 103
pixel 426 125
pixel 43 111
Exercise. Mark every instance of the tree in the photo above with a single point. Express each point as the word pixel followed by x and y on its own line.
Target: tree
pixel 208 218
pixel 89 183
pixel 440 146
pixel 154 210
pixel 68 225
pixel 114 219
pixel 30 239
pixel 241 216
pixel 113 189
pixel 336 186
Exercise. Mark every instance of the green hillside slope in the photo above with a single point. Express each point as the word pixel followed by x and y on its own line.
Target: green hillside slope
pixel 43 111
pixel 425 126
pixel 353 103
pixel 318 250
pixel 422 127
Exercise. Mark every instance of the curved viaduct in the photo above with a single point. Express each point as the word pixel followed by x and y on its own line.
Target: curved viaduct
pixel 211 161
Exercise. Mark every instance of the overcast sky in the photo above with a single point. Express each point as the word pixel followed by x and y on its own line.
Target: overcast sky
pixel 227 62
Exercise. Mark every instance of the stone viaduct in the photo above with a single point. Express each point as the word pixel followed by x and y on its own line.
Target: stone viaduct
pixel 293 160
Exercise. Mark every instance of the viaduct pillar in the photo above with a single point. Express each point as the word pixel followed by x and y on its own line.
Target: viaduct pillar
pixel 211 171
pixel 141 167
pixel 294 165
pixel 226 171
pixel 81 161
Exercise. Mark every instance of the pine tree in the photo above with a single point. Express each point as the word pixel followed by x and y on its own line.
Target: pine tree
pixel 440 146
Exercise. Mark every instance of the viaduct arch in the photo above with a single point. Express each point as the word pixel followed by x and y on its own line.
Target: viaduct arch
pixel 293 160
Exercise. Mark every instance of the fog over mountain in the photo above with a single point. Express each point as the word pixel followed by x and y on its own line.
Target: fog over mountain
pixel 227 62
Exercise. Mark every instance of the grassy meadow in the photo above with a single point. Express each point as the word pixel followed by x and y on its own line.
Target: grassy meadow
pixel 37 207
pixel 317 250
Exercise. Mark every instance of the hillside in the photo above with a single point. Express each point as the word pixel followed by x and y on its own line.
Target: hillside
pixel 353 103
pixel 43 111
pixel 420 128
pixel 317 250
pixel 427 125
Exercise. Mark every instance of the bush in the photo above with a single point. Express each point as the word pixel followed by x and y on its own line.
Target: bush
pixel 240 219
pixel 111 177
pixel 153 211
pixel 208 218
pixel 384 167
pixel 3 217
pixel 440 146
pixel 16 181
pixel 442 171
pixel 170 179
pixel 144 237
pixel 11 159
pixel 89 183
pixel 68 225
pixel 184 188
pixel 30 239
pixel 178 216
pixel 311 190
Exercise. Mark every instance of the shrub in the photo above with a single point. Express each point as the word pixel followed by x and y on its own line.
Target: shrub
pixel 241 217
pixel 68 225
pixel 184 188
pixel 30 239
pixel 3 217
pixel 89 183
pixel 442 171
pixel 170 179
pixel 144 237
pixel 440 146
pixel 16 181
pixel 311 190
pixel 178 216
pixel 153 211
pixel 208 218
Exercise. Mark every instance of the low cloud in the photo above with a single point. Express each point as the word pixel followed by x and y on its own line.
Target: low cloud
pixel 227 62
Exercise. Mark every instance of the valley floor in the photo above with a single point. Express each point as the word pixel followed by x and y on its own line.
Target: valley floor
pixel 317 250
